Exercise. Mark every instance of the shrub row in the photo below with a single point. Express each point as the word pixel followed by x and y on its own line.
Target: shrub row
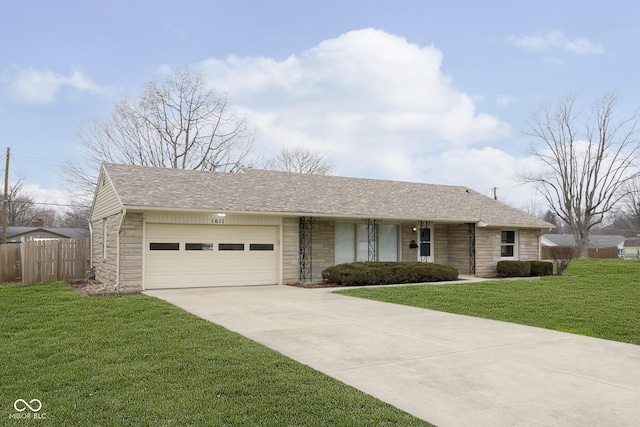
pixel 384 273
pixel 524 268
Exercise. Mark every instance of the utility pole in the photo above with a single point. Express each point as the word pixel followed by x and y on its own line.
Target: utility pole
pixel 5 200
pixel 495 193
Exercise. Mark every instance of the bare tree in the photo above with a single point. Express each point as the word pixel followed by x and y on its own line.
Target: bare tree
pixel 177 122
pixel 630 209
pixel 23 210
pixel 301 160
pixel 75 216
pixel 585 163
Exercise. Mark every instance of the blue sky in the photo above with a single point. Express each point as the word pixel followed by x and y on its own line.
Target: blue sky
pixel 425 91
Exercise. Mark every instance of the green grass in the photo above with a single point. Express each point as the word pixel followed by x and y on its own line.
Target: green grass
pixel 136 360
pixel 598 298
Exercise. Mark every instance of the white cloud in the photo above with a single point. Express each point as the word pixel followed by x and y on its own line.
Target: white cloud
pixel 42 86
pixel 373 100
pixel 557 40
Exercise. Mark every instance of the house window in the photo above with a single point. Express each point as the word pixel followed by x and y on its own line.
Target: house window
pixel 508 244
pixel 352 242
pixel 388 243
pixel 345 243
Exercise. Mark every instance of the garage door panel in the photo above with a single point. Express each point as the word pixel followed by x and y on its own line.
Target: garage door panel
pixel 205 264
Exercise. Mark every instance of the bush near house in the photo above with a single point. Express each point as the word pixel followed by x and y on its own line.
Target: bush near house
pixel 524 268
pixel 541 268
pixel 384 273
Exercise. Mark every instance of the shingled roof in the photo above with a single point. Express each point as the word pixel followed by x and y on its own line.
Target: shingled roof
pixel 261 191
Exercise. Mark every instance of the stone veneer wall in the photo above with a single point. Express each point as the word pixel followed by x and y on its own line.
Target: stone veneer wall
pixel 458 247
pixel 488 249
pixel 323 247
pixel 105 264
pixel 131 249
pixel 529 245
pixel 406 236
pixel 290 250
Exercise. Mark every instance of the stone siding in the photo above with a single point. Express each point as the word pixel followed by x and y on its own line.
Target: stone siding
pixel 290 250
pixel 406 236
pixel 323 246
pixel 487 251
pixel 131 250
pixel 458 247
pixel 105 264
pixel 529 245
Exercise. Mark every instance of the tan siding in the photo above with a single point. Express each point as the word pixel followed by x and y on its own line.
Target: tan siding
pixel 528 245
pixel 106 266
pixel 106 200
pixel 458 247
pixel 161 217
pixel 131 247
pixel 488 248
pixel 487 251
pixel 407 235
pixel 290 250
pixel 440 244
pixel 323 247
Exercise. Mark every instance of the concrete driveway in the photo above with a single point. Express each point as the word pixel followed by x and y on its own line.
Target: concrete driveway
pixel 447 369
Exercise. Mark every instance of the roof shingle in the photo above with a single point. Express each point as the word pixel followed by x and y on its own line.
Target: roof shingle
pixel 262 191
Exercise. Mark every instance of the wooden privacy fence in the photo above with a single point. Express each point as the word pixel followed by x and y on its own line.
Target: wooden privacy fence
pixel 44 260
pixel 609 252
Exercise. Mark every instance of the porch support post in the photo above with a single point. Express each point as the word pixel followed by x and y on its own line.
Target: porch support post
pixel 305 236
pixel 471 229
pixel 372 238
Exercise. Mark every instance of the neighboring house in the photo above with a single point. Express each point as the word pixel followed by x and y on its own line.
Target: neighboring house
pixel 631 248
pixel 596 241
pixel 168 228
pixel 20 234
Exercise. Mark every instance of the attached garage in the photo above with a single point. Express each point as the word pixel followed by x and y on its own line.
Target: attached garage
pixel 186 256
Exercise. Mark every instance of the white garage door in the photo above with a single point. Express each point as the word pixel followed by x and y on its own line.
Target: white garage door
pixel 183 256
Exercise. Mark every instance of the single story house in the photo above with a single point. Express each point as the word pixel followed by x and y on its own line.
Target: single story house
pixel 596 241
pixel 17 234
pixel 168 228
pixel 631 248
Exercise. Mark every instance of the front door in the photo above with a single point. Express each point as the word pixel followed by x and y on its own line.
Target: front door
pixel 425 248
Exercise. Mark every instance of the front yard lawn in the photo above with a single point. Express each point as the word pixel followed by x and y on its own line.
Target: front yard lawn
pixel 136 360
pixel 599 298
